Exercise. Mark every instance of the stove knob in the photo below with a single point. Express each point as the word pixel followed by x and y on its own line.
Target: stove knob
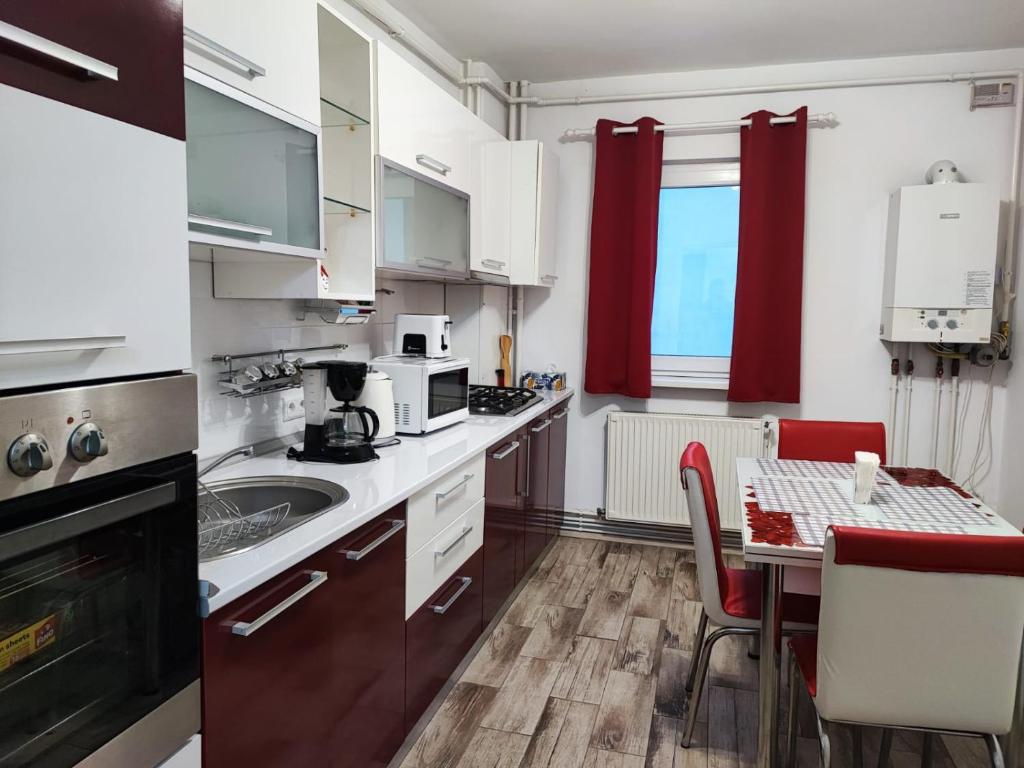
pixel 28 455
pixel 87 442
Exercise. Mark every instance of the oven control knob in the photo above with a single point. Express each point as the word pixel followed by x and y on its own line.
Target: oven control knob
pixel 87 442
pixel 28 455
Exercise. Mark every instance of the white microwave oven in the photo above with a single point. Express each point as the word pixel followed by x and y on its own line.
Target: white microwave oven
pixel 430 393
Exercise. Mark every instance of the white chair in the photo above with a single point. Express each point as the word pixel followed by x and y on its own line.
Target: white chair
pixel 731 596
pixel 917 631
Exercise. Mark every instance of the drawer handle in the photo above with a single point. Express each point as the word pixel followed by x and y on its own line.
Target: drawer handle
pixel 442 495
pixel 359 554
pixel 493 262
pixel 512 448
pixel 542 426
pixel 246 628
pixel 250 68
pixel 56 51
pixel 68 344
pixel 231 226
pixel 466 582
pixel 562 413
pixel 435 165
pixel 454 542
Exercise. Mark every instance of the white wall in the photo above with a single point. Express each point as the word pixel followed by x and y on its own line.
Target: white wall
pixel 887 137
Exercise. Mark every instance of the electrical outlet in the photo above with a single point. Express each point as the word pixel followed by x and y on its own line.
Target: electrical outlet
pixel 291 406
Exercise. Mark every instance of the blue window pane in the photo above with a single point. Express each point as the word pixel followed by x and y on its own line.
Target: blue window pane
pixel 695 288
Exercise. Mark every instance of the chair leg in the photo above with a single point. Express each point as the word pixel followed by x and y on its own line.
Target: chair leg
pixel 884 748
pixel 698 644
pixel 794 700
pixel 928 750
pixel 702 673
pixel 995 751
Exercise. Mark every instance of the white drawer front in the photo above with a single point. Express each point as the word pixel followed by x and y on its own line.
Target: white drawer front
pixel 434 564
pixel 435 507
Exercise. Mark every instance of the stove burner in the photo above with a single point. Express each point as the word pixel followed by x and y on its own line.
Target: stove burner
pixel 503 401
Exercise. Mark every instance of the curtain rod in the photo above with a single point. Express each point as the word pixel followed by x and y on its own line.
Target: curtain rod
pixel 825 120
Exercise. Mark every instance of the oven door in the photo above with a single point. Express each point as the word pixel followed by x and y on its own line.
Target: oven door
pixel 447 396
pixel 99 631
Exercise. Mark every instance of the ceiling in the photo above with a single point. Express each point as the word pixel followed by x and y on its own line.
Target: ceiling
pixel 545 40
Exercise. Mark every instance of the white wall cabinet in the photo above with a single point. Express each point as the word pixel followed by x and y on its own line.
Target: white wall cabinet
pixel 266 48
pixel 420 126
pixel 533 214
pixel 93 267
pixel 491 189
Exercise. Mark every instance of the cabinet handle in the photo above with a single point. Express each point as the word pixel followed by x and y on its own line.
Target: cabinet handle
pixel 231 226
pixel 359 554
pixel 250 68
pixel 548 278
pixel 542 426
pixel 466 530
pixel 246 628
pixel 562 413
pixel 493 262
pixel 56 51
pixel 512 447
pixel 435 165
pixel 529 460
pixel 427 265
pixel 466 581
pixel 68 344
pixel 441 495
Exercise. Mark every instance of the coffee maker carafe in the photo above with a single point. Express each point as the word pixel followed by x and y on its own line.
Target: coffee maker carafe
pixel 336 430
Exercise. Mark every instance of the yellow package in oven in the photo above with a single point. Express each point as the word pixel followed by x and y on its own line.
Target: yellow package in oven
pixel 27 641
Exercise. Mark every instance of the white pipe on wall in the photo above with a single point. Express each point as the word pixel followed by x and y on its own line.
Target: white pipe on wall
pixel 954 394
pixel 909 379
pixel 936 421
pixel 890 431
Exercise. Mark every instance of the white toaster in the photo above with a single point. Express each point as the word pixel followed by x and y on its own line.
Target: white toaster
pixel 423 335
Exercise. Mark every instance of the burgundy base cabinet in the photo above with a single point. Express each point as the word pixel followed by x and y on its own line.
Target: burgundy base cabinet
pixel 503 521
pixel 439 635
pixel 539 436
pixel 309 669
pixel 557 448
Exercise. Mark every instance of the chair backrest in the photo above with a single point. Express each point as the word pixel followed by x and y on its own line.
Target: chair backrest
pixel 920 630
pixel 829 440
pixel 702 502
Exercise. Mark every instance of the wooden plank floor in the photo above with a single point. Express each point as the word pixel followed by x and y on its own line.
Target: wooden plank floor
pixel 586 670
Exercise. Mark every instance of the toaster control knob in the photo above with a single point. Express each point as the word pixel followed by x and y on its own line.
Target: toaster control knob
pixel 28 455
pixel 87 442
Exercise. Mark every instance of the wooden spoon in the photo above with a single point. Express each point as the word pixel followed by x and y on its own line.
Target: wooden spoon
pixel 505 344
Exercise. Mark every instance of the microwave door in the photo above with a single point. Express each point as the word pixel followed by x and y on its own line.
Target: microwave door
pixel 448 392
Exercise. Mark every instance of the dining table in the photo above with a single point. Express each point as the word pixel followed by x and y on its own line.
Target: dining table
pixel 787 507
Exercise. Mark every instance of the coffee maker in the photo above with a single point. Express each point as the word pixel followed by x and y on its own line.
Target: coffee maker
pixel 336 430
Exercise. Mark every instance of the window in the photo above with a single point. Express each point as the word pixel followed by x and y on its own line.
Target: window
pixel 695 286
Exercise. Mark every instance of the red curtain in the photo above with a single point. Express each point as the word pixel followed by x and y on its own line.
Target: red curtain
pixel 623 258
pixel 769 277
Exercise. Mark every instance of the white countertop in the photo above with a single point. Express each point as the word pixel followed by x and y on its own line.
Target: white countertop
pixel 373 487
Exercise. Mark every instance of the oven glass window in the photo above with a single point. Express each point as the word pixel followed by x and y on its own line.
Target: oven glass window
pixel 98 627
pixel 448 392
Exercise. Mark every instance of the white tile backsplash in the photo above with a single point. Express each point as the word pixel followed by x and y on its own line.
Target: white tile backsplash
pixel 237 326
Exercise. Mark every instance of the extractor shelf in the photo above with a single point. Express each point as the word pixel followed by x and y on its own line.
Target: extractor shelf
pixel 334 116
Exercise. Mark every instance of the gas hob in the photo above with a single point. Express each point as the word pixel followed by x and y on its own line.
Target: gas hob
pixel 501 401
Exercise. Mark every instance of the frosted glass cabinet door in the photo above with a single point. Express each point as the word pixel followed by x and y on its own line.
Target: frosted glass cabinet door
pixel 251 176
pixel 424 225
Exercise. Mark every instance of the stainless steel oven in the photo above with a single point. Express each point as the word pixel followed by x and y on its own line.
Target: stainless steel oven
pixel 99 629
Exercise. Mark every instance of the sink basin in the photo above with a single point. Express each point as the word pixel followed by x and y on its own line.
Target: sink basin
pixel 237 515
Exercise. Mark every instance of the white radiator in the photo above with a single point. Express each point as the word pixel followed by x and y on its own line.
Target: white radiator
pixel 643 450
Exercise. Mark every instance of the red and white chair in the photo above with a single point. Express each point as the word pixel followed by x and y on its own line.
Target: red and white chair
pixel 917 631
pixel 829 440
pixel 731 596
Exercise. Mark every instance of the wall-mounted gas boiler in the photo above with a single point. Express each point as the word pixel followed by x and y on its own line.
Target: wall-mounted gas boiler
pixel 940 264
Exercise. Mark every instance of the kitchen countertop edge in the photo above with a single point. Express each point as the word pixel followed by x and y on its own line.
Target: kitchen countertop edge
pixel 234 576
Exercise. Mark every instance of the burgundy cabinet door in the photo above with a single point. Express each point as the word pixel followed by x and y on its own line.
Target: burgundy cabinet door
pixel 138 42
pixel 539 431
pixel 440 634
pixel 265 692
pixel 556 467
pixel 503 523
pixel 366 592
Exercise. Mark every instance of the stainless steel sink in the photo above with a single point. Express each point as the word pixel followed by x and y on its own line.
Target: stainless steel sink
pixel 237 515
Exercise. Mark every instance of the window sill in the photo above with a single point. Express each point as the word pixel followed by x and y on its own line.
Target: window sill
pixel 667 381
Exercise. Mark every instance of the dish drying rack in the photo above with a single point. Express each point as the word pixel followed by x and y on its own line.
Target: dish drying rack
pixel 223 525
pixel 234 387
